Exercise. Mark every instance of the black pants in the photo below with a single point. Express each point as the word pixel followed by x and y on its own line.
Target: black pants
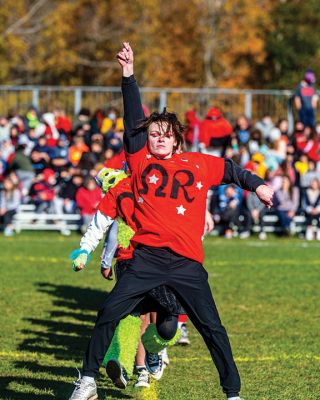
pixel 160 300
pixel 150 268
pixel 8 217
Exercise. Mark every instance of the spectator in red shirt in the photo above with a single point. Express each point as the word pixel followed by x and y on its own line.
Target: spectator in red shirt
pixel 191 135
pixel 116 161
pixel 88 198
pixel 62 122
pixel 306 99
pixel 42 192
pixel 215 131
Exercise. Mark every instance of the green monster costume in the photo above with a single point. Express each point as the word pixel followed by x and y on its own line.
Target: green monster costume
pixel 124 345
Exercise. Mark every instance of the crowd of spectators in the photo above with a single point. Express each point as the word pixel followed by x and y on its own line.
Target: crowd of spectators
pixel 288 161
pixel 50 161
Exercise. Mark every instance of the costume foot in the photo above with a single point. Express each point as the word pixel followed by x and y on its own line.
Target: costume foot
pixel 154 365
pixel 143 378
pixel 117 374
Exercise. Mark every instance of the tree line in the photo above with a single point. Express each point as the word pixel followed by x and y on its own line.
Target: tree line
pixel 194 43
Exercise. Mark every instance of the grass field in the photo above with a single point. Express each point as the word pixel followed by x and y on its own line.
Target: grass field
pixel 267 294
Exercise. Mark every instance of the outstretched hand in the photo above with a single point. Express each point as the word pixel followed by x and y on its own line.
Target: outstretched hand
pixel 265 194
pixel 107 273
pixel 125 59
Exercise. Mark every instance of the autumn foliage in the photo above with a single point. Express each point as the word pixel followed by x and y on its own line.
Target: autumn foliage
pixel 194 43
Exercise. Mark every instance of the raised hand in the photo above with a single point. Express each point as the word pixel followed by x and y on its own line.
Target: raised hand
pixel 125 59
pixel 265 194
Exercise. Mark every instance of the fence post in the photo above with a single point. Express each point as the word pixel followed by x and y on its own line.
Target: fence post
pixel 35 98
pixel 248 105
pixel 162 100
pixel 290 116
pixel 77 100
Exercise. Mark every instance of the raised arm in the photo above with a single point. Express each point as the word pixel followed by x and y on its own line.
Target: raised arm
pixel 133 111
pixel 248 181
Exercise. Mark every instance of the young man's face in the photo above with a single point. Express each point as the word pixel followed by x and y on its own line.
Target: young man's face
pixel 161 142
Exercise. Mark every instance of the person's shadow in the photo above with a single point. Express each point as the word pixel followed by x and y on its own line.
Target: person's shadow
pixel 56 345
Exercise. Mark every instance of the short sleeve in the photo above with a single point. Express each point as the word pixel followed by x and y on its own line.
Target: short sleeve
pixel 297 91
pixel 214 167
pixel 108 205
pixel 134 159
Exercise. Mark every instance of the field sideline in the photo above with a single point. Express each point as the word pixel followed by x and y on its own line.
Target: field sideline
pixel 267 294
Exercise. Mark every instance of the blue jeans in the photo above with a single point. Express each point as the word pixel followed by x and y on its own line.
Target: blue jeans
pixel 284 219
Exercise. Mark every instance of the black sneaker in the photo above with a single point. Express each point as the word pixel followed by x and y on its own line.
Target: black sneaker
pixel 117 374
pixel 154 365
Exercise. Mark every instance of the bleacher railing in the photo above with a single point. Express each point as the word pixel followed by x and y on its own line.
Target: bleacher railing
pixel 233 102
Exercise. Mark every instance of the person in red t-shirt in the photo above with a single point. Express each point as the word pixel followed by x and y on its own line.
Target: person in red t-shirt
pixel 170 200
pixel 87 199
pixel 118 202
pixel 215 131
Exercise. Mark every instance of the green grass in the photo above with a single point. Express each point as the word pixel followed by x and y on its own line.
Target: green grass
pixel 267 294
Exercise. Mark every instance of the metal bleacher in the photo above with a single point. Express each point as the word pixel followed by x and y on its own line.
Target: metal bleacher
pixel 27 218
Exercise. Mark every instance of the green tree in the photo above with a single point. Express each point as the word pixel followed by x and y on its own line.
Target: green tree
pixel 293 44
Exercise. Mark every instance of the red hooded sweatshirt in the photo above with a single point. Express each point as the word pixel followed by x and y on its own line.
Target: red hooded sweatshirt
pixel 214 126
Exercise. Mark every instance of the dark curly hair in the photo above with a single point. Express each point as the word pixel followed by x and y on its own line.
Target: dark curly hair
pixel 173 124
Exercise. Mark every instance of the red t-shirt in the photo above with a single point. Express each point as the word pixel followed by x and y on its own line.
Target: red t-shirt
pixel 170 199
pixel 213 130
pixel 88 200
pixel 116 161
pixel 119 201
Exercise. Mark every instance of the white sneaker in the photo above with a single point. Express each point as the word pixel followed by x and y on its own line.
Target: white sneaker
pixel 262 236
pixel 244 235
pixel 165 357
pixel 84 390
pixel 154 365
pixel 235 398
pixel 143 378
pixel 184 339
pixel 117 373
pixel 8 231
pixel 309 233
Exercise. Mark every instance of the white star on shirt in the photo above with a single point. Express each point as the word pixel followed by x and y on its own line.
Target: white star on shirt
pixel 140 200
pixel 153 179
pixel 148 156
pixel 183 159
pixel 197 166
pixel 181 210
pixel 199 185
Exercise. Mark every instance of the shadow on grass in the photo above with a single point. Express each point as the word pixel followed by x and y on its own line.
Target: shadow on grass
pixel 63 336
pixel 23 388
pixel 66 331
